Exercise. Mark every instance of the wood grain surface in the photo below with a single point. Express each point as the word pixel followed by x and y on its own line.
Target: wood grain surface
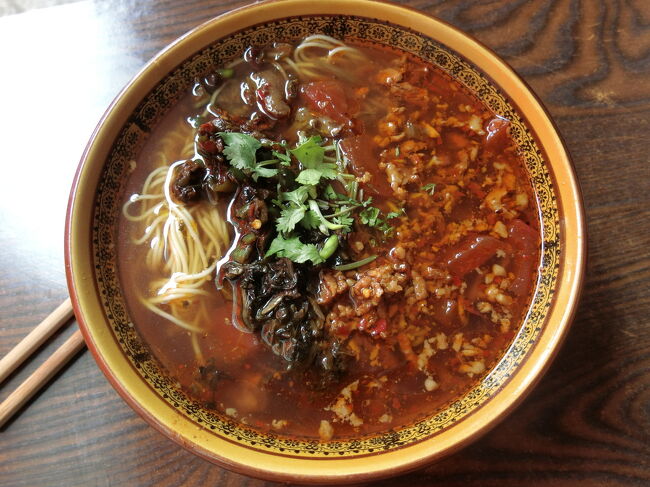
pixel 588 421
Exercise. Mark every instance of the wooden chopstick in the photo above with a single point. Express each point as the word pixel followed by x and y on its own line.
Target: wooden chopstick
pixel 35 339
pixel 40 376
pixel 46 371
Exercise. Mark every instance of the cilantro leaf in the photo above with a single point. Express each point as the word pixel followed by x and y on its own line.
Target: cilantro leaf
pixel 310 152
pixel 294 249
pixel 285 159
pixel 330 194
pixel 288 218
pixel 311 155
pixel 328 170
pixel 310 221
pixel 309 176
pixel 395 214
pixel 324 223
pixel 297 196
pixel 265 172
pixel 345 221
pixel 429 188
pixel 240 149
pixel 370 216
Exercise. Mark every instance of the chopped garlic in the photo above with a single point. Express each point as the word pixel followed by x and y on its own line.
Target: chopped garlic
pixel 476 125
pixel 500 229
pixel 278 424
pixel 441 340
pixel 498 270
pixel 385 418
pixel 325 431
pixel 472 368
pixel 458 341
pixel 430 384
pixel 521 201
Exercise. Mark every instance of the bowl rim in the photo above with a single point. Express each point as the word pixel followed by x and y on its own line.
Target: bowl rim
pixel 305 471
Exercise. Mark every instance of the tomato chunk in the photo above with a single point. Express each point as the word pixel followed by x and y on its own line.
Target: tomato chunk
pixel 359 151
pixel 497 139
pixel 327 97
pixel 525 240
pixel 471 253
pixel 523 237
pixel 523 268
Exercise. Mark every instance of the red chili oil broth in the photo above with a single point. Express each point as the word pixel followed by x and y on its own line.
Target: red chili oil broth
pixel 255 386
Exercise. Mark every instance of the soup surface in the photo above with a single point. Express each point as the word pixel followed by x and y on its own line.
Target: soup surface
pixel 324 240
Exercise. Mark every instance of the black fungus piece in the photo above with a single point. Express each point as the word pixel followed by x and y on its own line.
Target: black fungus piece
pixel 275 303
pixel 188 181
pixel 232 270
pixel 218 178
pixel 268 278
pixel 331 364
pixel 250 205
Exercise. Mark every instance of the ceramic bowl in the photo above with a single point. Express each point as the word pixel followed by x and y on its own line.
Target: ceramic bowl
pixel 98 190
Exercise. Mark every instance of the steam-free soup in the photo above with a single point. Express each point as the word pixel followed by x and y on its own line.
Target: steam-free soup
pixel 326 239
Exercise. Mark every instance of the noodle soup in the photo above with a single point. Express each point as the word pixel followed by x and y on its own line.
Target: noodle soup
pixel 325 240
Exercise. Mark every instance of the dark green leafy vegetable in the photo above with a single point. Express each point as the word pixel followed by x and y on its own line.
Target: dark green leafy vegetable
pixel 275 304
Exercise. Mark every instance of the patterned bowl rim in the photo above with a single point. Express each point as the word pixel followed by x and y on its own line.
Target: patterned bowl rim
pixel 263 464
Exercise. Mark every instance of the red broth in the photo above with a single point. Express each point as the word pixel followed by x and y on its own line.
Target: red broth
pixel 420 324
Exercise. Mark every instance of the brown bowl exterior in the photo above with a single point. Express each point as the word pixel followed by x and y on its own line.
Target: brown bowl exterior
pixel 96 195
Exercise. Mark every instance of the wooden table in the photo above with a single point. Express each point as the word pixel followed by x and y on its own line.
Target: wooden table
pixel 588 421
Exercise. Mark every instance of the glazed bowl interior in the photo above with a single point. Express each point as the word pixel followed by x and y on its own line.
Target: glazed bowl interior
pixel 98 298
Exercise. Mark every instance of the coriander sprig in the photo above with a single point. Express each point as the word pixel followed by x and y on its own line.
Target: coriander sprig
pixel 311 202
